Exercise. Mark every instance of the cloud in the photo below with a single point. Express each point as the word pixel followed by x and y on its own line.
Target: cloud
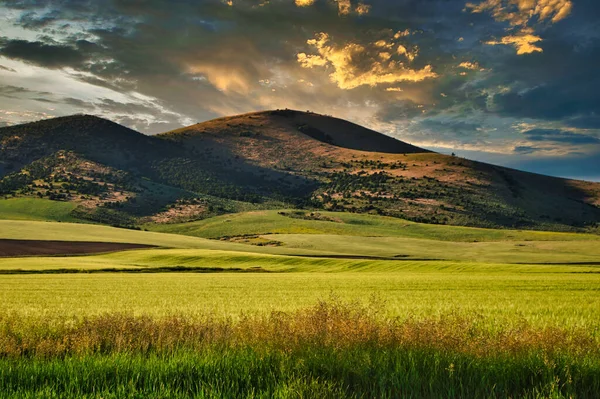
pixel 522 16
pixel 311 61
pixel 10 91
pixel 524 42
pixel 31 19
pixel 591 121
pixel 305 3
pixel 344 7
pixel 362 9
pixel 521 12
pixel 469 65
pixel 410 55
pixel 43 54
pixel 402 110
pixel 228 79
pixel 560 136
pixel 4 68
pixel 40 53
pixel 357 65
pixel 525 149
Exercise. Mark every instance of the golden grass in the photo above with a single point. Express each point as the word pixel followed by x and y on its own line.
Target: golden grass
pixel 332 324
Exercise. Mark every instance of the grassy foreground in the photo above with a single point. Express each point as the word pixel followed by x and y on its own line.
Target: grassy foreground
pixel 333 349
pixel 468 313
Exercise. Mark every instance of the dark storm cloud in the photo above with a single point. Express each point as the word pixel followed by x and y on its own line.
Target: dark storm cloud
pixel 40 53
pixel 31 20
pixel 591 121
pixel 525 149
pixel 399 111
pixel 459 127
pixel 553 84
pixel 559 136
pixel 557 86
pixel 10 91
pixel 77 103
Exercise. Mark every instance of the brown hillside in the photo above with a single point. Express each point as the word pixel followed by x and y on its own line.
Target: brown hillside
pixel 365 171
pixel 278 159
pixel 266 136
pixel 292 126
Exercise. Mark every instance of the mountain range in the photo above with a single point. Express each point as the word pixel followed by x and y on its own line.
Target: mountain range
pixel 276 159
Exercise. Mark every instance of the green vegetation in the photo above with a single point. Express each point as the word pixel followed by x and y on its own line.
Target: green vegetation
pixel 563 300
pixel 402 309
pixel 327 351
pixel 540 252
pixel 34 230
pixel 333 349
pixel 36 209
pixel 300 222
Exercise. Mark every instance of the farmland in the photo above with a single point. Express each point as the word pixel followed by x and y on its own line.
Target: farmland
pixel 204 310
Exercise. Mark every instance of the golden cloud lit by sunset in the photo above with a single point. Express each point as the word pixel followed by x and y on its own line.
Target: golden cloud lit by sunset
pixel 522 15
pixel 348 64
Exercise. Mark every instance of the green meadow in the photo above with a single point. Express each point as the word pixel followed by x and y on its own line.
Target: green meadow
pixel 36 209
pixel 337 223
pixel 291 304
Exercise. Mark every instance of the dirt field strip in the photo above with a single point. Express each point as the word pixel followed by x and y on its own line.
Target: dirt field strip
pixel 12 248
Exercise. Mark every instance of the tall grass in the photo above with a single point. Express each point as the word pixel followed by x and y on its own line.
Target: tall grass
pixel 333 349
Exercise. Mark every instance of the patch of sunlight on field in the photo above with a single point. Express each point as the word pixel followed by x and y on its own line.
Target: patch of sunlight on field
pixel 199 258
pixel 30 230
pixel 35 230
pixel 511 251
pixel 498 252
pixel 543 299
pixel 36 209
pixel 272 222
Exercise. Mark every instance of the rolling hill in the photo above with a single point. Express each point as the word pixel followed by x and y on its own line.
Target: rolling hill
pixel 274 160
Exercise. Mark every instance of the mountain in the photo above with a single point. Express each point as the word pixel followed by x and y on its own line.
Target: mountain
pixel 275 159
pixel 106 141
pixel 290 129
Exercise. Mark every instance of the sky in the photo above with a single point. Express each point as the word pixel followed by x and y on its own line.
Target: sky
pixel 511 82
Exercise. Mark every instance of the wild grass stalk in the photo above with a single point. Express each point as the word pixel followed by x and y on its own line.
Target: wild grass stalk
pixel 333 349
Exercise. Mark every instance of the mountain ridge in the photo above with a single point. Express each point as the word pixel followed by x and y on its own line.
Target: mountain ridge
pixel 275 159
pixel 323 128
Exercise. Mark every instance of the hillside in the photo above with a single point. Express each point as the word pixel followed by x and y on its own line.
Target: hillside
pixel 99 139
pixel 295 131
pixel 273 160
pixel 400 180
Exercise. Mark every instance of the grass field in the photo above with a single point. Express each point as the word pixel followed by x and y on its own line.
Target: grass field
pixel 542 299
pixel 29 230
pixel 36 209
pixel 330 350
pixel 456 312
pixel 273 222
